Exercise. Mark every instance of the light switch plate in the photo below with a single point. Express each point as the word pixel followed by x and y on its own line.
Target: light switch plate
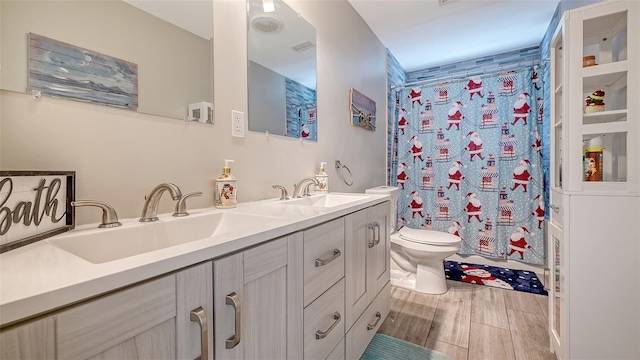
pixel 237 123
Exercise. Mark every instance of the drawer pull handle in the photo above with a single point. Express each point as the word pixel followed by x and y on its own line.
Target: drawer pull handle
pixel 324 334
pixel 234 340
pixel 373 326
pixel 554 208
pixel 198 315
pixel 372 227
pixel 320 262
pixel 377 227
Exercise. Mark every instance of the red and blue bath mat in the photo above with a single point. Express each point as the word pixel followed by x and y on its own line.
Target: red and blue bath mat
pixel 519 280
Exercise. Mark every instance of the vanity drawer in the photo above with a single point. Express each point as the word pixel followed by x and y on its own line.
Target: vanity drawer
pixel 323 258
pixel 324 323
pixel 360 335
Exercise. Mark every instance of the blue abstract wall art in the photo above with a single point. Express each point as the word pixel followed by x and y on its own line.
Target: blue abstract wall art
pixel 63 70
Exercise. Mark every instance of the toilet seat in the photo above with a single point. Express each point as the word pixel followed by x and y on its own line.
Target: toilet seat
pixel 428 237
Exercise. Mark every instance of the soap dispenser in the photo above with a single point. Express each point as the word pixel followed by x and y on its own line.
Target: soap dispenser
pixel 226 188
pixel 323 180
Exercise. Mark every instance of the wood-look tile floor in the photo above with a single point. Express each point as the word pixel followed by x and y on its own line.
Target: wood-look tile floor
pixel 472 322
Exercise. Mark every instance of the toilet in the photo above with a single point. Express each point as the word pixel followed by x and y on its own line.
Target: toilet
pixel 417 255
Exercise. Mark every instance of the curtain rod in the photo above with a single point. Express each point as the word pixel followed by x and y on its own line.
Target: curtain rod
pixel 473 72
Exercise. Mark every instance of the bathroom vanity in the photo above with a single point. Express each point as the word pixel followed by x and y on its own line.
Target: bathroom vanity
pixel 269 281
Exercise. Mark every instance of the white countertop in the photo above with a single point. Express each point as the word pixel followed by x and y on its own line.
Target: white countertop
pixel 41 277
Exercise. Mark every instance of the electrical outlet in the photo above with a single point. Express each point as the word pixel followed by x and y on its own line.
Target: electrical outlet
pixel 237 123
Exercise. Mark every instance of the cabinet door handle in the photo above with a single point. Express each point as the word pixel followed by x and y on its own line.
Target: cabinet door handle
pixel 377 227
pixel 554 208
pixel 324 334
pixel 232 299
pixel 371 226
pixel 320 262
pixel 373 326
pixel 198 315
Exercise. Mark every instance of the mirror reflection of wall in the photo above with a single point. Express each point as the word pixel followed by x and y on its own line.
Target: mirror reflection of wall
pixel 282 71
pixel 174 59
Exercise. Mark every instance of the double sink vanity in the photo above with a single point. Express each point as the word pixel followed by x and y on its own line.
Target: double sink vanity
pixel 274 279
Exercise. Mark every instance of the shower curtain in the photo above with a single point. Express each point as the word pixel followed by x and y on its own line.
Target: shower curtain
pixel 467 160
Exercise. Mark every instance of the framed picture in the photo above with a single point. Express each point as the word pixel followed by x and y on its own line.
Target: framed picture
pixel 63 70
pixel 35 205
pixel 363 110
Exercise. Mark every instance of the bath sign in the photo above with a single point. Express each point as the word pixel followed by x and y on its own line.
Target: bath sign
pixel 34 205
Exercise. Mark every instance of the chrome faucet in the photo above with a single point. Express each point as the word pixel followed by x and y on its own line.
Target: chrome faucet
pixel 151 201
pixel 297 188
pixel 109 216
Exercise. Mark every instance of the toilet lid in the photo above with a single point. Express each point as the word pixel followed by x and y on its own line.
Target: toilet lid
pixel 428 236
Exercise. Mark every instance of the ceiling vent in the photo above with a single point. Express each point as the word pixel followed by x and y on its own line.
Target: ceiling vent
pixel 444 2
pixel 266 23
pixel 302 46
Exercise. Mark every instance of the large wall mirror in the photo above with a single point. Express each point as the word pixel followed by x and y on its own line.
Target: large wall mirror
pixel 282 71
pixel 168 41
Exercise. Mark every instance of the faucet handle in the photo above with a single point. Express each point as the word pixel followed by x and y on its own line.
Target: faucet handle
pixel 284 195
pixel 181 205
pixel 307 189
pixel 109 215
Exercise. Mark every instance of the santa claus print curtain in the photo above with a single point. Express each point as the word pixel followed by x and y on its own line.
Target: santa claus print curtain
pixel 467 159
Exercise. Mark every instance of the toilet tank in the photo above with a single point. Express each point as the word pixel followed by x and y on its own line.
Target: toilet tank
pixel 392 191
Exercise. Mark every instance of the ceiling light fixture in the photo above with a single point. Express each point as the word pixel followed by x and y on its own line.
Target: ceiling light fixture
pixel 266 23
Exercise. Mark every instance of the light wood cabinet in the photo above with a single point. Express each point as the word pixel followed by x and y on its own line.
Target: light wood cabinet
pixel 258 302
pixel 595 183
pixel 367 249
pixel 33 340
pixel 282 299
pixel 159 319
pixel 148 321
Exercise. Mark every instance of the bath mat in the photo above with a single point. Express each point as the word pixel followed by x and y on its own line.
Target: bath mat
pixel 385 347
pixel 519 280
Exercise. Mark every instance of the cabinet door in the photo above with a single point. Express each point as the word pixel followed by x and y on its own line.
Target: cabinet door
pixel 265 301
pixel 228 290
pixel 258 302
pixel 378 271
pixel 555 293
pixel 34 340
pixel 357 239
pixel 137 323
pixel 194 318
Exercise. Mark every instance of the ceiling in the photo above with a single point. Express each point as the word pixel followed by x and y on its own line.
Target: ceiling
pixel 423 33
pixel 195 16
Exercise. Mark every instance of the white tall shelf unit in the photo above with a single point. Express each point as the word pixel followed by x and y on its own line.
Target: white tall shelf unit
pixel 594 228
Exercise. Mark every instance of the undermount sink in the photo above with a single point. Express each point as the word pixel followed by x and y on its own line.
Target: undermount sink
pixel 326 200
pixel 103 245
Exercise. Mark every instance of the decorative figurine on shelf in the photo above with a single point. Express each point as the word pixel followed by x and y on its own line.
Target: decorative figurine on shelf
pixel 589 60
pixel 594 102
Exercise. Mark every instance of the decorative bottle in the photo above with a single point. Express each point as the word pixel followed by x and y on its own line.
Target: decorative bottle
pixel 226 188
pixel 323 180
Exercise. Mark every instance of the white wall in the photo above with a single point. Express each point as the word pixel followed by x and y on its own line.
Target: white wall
pixel 120 155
